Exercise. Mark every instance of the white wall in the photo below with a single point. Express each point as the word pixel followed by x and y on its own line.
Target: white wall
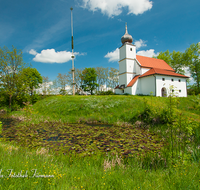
pixel 144 70
pixel 147 85
pixel 168 82
pixel 130 51
pixel 130 65
pixel 122 66
pixel 135 89
pixel 137 68
pixel 122 79
pixel 127 63
pixel 129 77
pixel 118 91
pixel 125 51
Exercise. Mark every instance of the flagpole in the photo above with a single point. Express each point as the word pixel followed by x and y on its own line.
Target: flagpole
pixel 73 84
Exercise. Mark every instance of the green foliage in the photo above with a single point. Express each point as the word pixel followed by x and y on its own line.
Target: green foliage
pixel 62 92
pixel 89 78
pixel 192 56
pixel 32 79
pixel 63 80
pixel 163 156
pixel 11 64
pixel 0 127
pixel 92 172
pixel 109 92
pixel 17 82
pixel 174 59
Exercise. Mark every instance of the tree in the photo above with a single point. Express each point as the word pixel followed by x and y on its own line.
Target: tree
pixel 32 79
pixel 45 85
pixel 63 80
pixel 113 77
pixel 102 75
pixel 192 57
pixel 174 59
pixel 89 78
pixel 11 64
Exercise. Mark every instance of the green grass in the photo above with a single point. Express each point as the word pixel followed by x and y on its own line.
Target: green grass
pixel 63 136
pixel 104 109
pixel 95 172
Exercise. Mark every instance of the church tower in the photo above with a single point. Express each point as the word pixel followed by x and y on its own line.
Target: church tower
pixel 126 60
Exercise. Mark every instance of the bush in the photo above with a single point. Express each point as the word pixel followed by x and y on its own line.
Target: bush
pixel 109 92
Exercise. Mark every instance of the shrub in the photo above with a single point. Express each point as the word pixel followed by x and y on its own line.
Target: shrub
pixel 109 92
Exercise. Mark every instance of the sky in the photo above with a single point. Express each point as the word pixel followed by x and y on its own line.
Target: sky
pixel 42 30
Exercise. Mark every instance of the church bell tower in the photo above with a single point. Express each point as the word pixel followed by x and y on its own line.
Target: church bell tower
pixel 126 60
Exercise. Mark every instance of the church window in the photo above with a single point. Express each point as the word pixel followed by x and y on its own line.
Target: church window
pixel 179 80
pixel 130 49
pixel 172 80
pixel 163 79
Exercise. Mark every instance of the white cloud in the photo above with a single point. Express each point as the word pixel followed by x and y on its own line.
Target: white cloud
pixel 51 56
pixel 113 56
pixel 140 43
pixel 32 52
pixel 147 53
pixel 115 7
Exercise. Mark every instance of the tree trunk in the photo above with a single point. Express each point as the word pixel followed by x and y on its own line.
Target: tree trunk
pixel 10 100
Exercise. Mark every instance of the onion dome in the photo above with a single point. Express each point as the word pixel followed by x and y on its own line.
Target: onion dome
pixel 126 37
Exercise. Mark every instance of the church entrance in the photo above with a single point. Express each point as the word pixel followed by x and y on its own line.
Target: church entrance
pixel 164 92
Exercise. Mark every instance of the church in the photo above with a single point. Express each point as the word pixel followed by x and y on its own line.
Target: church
pixel 140 75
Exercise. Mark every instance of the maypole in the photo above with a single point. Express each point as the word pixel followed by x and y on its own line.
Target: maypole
pixel 73 83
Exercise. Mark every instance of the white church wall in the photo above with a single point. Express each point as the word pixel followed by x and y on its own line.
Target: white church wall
pixel 122 79
pixel 135 89
pixel 147 85
pixel 128 90
pixel 118 91
pixel 137 68
pixel 122 54
pixel 130 65
pixel 144 70
pixel 129 77
pixel 127 51
pixel 179 85
pixel 131 51
pixel 122 66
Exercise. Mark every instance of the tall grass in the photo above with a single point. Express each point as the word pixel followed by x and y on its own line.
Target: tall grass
pixel 175 166
pixel 94 172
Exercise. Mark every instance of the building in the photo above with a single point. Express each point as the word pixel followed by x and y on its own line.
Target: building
pixel 139 75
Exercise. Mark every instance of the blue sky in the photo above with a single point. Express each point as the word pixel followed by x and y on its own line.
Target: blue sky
pixel 42 30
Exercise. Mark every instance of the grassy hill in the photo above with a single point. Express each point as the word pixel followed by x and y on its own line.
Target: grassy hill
pixel 103 142
pixel 105 109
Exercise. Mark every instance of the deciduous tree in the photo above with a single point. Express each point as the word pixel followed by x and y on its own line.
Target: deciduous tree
pixel 89 78
pixel 174 59
pixel 32 79
pixel 192 57
pixel 113 77
pixel 11 64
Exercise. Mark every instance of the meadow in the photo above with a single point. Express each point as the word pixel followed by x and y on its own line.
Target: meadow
pixel 102 142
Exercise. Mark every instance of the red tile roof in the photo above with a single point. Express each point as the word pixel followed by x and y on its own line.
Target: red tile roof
pixel 133 81
pixel 117 87
pixel 162 72
pixel 153 63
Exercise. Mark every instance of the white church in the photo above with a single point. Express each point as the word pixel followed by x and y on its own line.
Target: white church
pixel 146 76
